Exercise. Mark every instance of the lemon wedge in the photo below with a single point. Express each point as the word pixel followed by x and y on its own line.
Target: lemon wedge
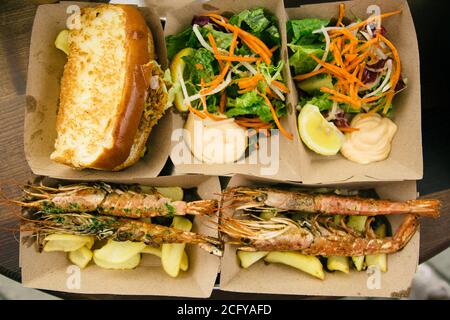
pixel 318 134
pixel 177 69
pixel 62 41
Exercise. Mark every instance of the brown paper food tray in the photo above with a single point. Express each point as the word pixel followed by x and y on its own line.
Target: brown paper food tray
pixel 49 270
pixel 281 279
pixel 405 159
pixel 177 21
pixel 45 70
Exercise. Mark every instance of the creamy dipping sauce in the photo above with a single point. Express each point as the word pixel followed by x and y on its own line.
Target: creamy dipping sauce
pixel 372 142
pixel 213 141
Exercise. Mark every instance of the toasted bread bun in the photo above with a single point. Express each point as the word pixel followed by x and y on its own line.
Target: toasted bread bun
pixel 104 88
pixel 153 110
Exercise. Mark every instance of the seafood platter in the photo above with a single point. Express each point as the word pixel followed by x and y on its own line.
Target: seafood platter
pixel 244 139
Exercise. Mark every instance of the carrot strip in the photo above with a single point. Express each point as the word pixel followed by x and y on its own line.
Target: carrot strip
pixel 396 76
pixel 280 86
pixel 215 15
pixel 197 112
pixel 367 44
pixel 371 19
pixel 274 48
pixel 342 96
pixel 235 58
pixel 348 129
pixel 248 89
pixel 275 117
pixel 373 98
pixel 246 36
pixel 341 14
pixel 357 61
pixel 339 72
pixel 214 47
pixel 304 76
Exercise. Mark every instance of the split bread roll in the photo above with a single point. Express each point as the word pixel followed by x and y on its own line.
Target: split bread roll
pixel 112 92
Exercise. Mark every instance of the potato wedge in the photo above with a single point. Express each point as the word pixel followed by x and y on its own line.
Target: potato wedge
pixel 377 260
pixel 172 253
pixel 152 250
pixel 184 265
pixel 358 223
pixel 119 251
pixel 308 264
pixel 157 252
pixel 131 263
pixel 338 263
pixel 62 41
pixel 81 257
pixel 358 261
pixel 66 242
pixel 173 193
pixel 248 258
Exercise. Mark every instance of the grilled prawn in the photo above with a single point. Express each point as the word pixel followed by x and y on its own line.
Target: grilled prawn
pixel 122 201
pixel 119 229
pixel 314 235
pixel 279 200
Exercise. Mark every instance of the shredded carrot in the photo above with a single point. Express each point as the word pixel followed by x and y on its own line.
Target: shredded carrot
pixel 215 15
pixel 199 66
pixel 280 86
pixel 248 89
pixel 341 14
pixel 255 43
pixel 275 117
pixel 339 72
pixel 235 58
pixel 342 96
pixel 270 93
pixel 368 44
pixel 396 76
pixel 389 97
pixel 197 112
pixel 373 18
pixel 214 47
pixel 304 76
pixel 348 129
pixel 274 48
pixel 250 81
pixel 357 61
pixel 373 98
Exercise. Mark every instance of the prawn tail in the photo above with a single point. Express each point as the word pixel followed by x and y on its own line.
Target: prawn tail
pixel 406 230
pixel 425 207
pixel 202 207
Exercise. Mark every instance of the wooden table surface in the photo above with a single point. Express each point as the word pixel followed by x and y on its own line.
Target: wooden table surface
pixel 16 18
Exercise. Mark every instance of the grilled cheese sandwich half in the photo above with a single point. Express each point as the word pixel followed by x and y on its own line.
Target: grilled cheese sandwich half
pixel 105 89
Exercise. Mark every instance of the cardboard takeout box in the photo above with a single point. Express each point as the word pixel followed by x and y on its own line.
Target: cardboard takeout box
pixel 281 279
pixel 179 20
pixel 45 70
pixel 296 161
pixel 405 159
pixel 51 270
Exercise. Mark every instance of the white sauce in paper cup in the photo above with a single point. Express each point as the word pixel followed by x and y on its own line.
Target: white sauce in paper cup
pixel 372 142
pixel 215 142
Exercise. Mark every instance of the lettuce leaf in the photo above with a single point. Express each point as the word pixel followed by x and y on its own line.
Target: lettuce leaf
pixel 187 39
pixel 320 101
pixel 250 103
pixel 300 31
pixel 199 65
pixel 260 23
pixel 300 61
